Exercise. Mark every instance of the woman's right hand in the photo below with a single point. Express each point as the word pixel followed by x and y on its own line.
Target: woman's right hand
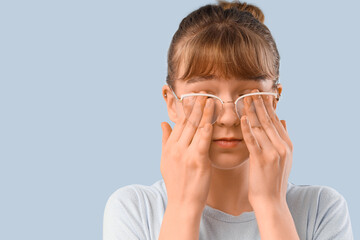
pixel 185 163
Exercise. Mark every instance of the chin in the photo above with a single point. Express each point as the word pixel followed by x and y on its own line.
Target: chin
pixel 227 160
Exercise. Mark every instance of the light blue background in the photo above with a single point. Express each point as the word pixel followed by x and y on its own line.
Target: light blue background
pixel 81 104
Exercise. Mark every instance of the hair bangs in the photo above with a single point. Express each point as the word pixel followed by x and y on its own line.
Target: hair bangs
pixel 226 52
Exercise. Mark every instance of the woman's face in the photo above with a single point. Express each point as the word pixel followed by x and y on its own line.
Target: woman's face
pixel 228 123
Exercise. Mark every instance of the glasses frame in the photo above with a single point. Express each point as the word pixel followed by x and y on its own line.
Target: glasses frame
pixel 211 95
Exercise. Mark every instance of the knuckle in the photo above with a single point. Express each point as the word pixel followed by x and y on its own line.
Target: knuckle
pixel 189 124
pixel 257 128
pixel 291 147
pixel 275 157
pixel 192 163
pixel 283 152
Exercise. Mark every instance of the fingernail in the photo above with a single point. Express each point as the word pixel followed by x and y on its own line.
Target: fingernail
pixel 256 96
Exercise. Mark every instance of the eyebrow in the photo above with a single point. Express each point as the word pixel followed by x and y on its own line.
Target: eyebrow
pixel 200 79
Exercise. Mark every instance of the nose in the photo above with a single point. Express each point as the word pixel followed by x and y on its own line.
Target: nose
pixel 228 116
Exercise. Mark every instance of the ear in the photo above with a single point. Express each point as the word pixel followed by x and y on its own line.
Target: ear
pixel 170 101
pixel 279 90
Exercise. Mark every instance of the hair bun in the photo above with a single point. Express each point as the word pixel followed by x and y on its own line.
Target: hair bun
pixel 254 10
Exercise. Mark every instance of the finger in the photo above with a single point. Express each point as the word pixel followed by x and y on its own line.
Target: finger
pixel 248 135
pixel 259 134
pixel 178 129
pixel 267 123
pixel 208 112
pixel 249 109
pixel 280 127
pixel 196 110
pixel 183 122
pixel 201 114
pixel 262 139
pixel 206 119
pixel 203 143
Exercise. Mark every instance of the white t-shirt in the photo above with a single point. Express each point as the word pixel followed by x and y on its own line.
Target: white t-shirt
pixel 136 212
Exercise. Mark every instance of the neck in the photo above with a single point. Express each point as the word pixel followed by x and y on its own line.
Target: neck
pixel 229 190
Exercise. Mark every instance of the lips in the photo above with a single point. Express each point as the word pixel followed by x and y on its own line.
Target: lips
pixel 228 139
pixel 227 143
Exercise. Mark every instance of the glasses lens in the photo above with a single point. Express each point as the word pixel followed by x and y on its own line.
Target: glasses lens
pixel 240 105
pixel 189 107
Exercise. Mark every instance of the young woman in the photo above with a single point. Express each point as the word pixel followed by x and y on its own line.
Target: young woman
pixel 226 163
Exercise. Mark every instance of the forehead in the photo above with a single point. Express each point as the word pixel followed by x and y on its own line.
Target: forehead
pixel 219 84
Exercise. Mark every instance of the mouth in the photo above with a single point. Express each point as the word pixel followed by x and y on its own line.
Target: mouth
pixel 227 142
pixel 228 139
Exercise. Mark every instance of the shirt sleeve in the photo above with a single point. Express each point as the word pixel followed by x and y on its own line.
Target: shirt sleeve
pixel 333 219
pixel 123 216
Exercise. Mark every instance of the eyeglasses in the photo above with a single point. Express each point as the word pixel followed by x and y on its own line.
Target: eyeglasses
pixel 188 102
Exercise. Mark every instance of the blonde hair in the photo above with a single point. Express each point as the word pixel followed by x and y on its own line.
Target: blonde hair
pixel 225 40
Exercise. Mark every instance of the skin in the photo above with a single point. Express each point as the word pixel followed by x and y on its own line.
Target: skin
pixel 251 177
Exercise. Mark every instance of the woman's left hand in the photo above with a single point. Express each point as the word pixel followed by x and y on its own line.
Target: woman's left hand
pixel 270 151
